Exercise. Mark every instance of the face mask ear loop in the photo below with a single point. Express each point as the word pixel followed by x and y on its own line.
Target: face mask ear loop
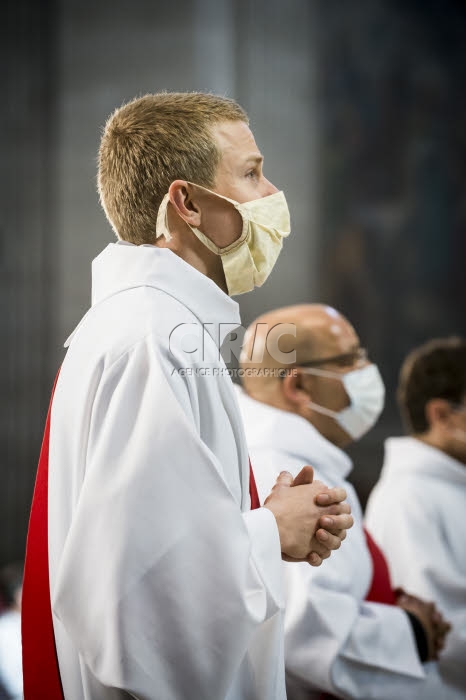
pixel 161 226
pixel 207 241
pixel 322 409
pixel 321 373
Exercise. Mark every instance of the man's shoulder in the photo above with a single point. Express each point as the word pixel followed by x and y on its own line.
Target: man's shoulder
pixel 122 320
pixel 144 307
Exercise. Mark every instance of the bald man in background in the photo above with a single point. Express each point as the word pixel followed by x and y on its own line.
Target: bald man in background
pixel 309 391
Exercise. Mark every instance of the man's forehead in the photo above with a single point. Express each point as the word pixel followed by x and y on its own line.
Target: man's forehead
pixel 235 139
pixel 341 338
pixel 333 335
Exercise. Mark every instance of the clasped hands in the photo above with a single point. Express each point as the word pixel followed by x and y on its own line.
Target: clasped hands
pixel 312 519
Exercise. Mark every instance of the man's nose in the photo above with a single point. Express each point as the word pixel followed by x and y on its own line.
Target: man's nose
pixel 269 188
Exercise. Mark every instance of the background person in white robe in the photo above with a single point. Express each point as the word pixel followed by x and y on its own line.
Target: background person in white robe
pixel 425 541
pixel 335 640
pixel 163 584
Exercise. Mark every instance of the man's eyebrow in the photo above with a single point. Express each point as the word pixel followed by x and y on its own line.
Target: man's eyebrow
pixel 343 353
pixel 253 158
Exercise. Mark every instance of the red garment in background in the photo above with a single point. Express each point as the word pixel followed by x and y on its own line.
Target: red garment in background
pixel 381 590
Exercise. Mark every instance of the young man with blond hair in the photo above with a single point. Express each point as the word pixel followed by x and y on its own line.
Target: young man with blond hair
pixel 164 583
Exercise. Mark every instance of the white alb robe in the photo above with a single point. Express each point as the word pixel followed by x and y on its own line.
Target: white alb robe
pixel 416 512
pixel 164 585
pixel 334 640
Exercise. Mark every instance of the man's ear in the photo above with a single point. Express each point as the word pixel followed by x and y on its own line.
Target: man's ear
pixel 293 390
pixel 437 412
pixel 184 202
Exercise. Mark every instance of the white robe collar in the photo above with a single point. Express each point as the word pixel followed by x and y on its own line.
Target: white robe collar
pixel 123 266
pixel 407 455
pixel 268 426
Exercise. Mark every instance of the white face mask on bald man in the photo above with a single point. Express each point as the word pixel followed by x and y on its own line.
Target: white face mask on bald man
pixel 249 260
pixel 366 392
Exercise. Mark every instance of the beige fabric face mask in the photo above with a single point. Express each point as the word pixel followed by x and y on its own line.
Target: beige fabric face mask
pixel 248 261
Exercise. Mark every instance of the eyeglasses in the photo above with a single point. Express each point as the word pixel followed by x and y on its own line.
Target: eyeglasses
pixel 348 359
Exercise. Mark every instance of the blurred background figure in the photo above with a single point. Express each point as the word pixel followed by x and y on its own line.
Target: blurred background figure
pixel 424 537
pixel 347 632
pixel 360 109
pixel 11 677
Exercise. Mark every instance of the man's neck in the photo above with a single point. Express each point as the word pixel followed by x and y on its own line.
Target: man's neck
pixel 275 399
pixel 190 249
pixel 433 441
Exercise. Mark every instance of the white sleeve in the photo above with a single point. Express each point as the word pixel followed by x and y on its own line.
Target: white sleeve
pixel 335 642
pixel 410 533
pixel 413 537
pixel 163 581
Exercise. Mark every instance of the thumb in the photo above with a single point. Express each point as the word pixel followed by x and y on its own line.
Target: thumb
pixel 305 476
pixel 284 479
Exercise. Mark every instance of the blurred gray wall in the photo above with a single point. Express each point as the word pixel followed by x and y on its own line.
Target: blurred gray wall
pixel 359 110
pixel 28 254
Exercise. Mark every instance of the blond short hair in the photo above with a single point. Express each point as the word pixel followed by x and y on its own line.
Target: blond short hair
pixel 150 142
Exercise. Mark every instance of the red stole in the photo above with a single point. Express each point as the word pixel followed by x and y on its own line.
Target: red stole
pixel 41 674
pixel 255 503
pixel 381 590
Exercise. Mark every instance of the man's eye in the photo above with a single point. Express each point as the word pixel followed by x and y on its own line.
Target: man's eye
pixel 251 174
